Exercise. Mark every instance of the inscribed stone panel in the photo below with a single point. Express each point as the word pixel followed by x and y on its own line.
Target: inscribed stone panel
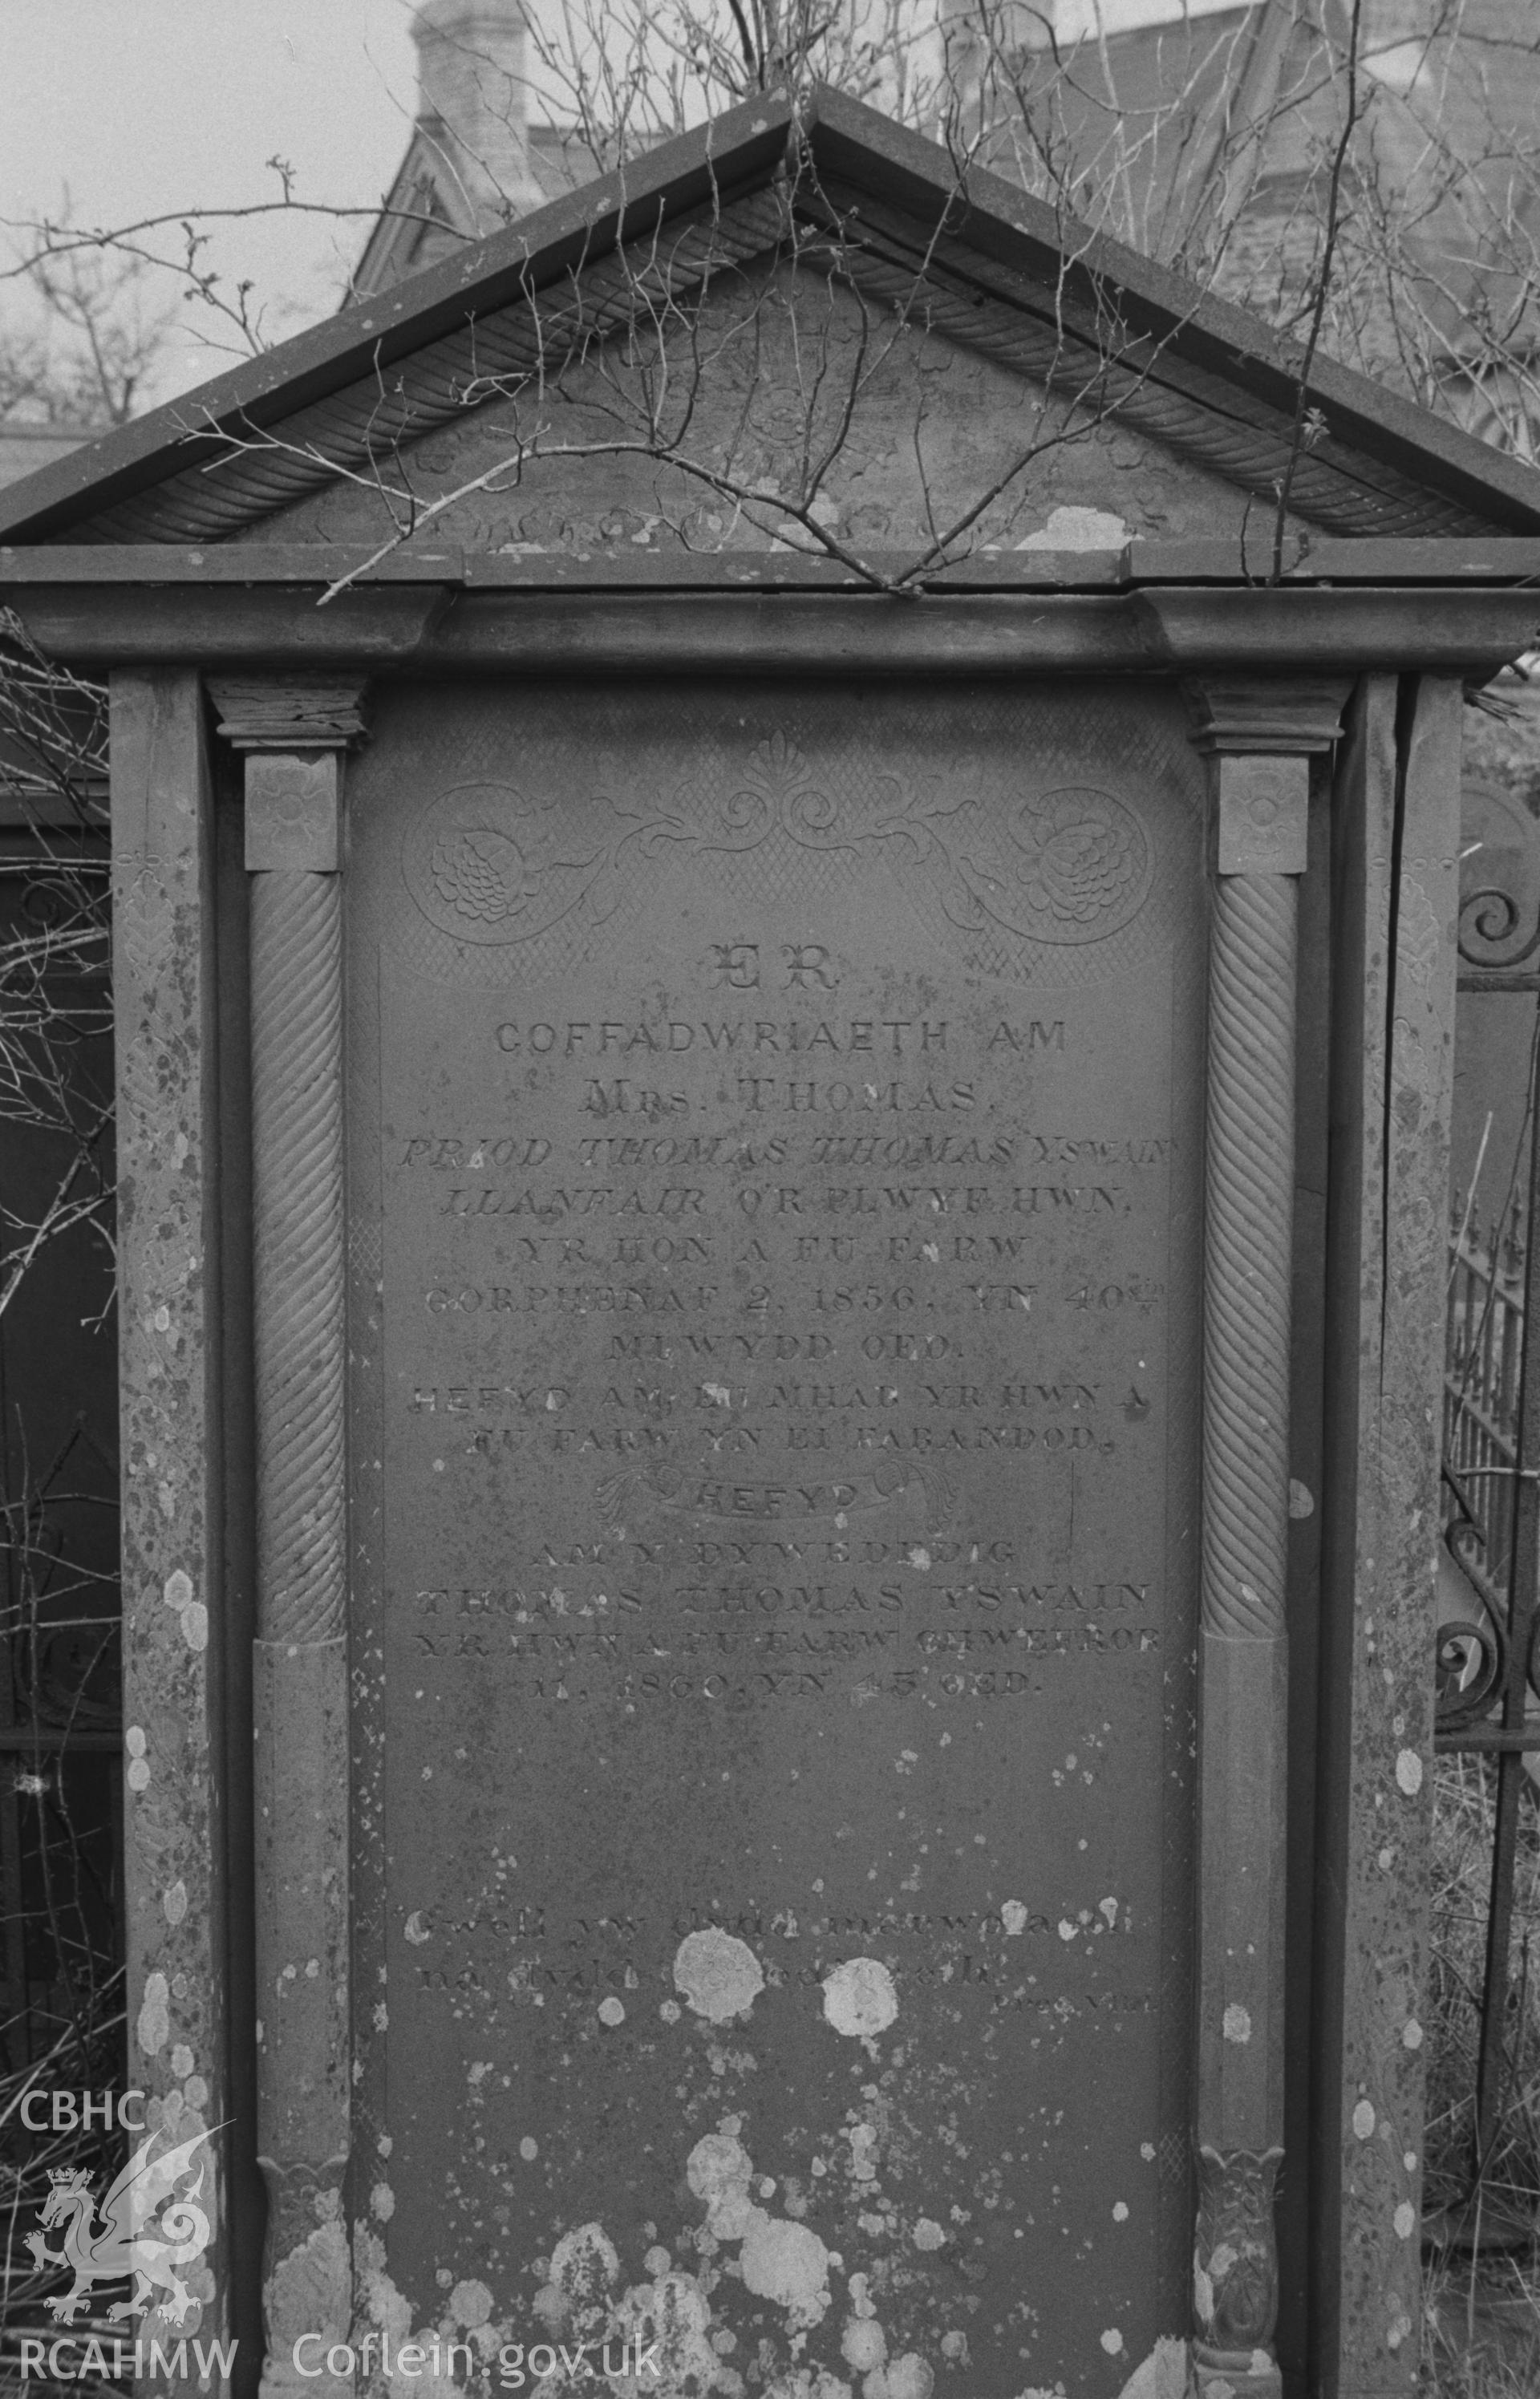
pixel 774 1138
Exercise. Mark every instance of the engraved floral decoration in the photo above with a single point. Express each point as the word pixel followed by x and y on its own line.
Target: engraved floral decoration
pixel 1071 864
pixel 1079 869
pixel 1084 854
pixel 486 862
pixel 479 873
pixel 775 789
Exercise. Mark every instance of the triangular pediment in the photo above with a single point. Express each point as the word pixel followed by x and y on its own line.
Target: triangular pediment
pixel 1123 365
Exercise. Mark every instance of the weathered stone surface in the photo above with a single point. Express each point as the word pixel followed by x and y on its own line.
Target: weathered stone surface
pixel 936 425
pixel 1393 1045
pixel 168 1347
pixel 776 1123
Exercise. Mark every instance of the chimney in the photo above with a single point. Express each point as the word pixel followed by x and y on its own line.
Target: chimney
pixel 471 98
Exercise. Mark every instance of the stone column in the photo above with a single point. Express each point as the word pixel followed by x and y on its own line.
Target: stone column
pixel 1259 739
pixel 293 734
pixel 174 1622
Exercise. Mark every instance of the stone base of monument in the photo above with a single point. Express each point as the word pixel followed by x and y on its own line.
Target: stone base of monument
pixel 1235 2374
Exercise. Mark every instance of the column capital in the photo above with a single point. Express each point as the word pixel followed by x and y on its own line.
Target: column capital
pixel 293 731
pixel 289 712
pixel 1260 732
pixel 1257 716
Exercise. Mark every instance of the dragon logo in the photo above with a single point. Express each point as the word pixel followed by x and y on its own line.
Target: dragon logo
pixel 128 2240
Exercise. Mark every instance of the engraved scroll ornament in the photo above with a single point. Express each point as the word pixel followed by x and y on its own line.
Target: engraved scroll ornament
pixel 490 863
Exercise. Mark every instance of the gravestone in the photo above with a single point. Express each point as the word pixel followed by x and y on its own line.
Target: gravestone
pixel 782 1126
pixel 782 1243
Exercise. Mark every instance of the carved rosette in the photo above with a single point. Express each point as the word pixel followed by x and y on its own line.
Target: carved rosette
pixel 292 733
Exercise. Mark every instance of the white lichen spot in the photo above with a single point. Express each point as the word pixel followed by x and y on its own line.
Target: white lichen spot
pixel 863 2344
pixel 196 2091
pixel 174 1903
pixel 611 2012
pixel 181 2060
pixel 1238 2025
pixel 1363 2119
pixel 470 2304
pixel 1120 2210
pixel 134 1740
pixel 910 2376
pixel 1013 1916
pixel 1066 1929
pixel 674 2313
pixel 1411 2034
pixel 929 2234
pixel 1147 2151
pixel 1111 2341
pixel 858 1997
pixel 788 2264
pixel 415 1930
pixel 529 2149
pixel 919 1558
pixel 194 1626
pixel 154 2028
pixel 1405 2218
pixel 658 2260
pixel 178 1593
pixel 718 1393
pixel 139 1774
pixel 1163 2374
pixel 719 2170
pixel 954 2347
pixel 1408 1772
pixel 584 2268
pixel 382 2200
pixel 1078 528
pixel 1108 1907
pixel 718 1976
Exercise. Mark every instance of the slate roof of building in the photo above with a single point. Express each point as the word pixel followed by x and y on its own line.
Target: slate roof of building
pixel 1001 272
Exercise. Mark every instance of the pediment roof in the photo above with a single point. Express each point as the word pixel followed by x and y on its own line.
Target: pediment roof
pixel 991 266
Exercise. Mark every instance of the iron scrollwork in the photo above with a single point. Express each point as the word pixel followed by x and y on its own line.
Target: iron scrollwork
pixel 1489 929
pixel 1471 1655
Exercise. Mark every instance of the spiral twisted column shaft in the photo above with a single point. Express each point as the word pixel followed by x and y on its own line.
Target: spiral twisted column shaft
pixel 1243 1655
pixel 298 1666
pixel 1242 1777
pixel 297 1176
pixel 1248 1266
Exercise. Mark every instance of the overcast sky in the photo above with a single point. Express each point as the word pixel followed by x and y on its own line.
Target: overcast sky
pixel 134 107
pixel 139 106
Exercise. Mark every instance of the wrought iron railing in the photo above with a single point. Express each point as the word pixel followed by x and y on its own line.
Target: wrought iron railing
pixel 1487 1695
pixel 1483 1368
